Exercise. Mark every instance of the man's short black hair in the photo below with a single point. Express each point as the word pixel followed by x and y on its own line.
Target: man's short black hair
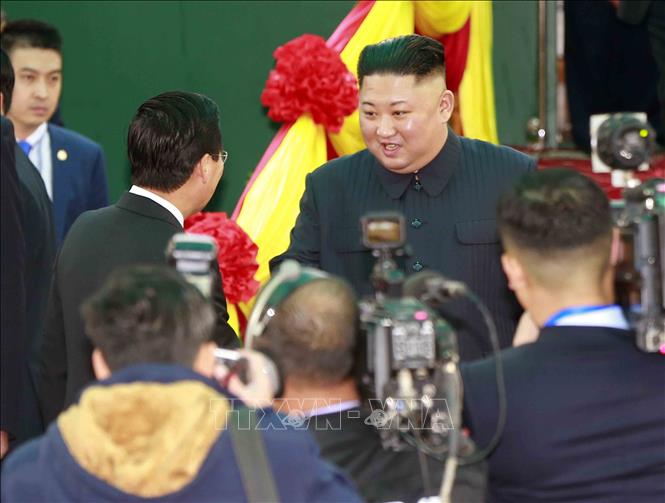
pixel 30 33
pixel 406 55
pixel 169 134
pixel 555 210
pixel 148 314
pixel 6 81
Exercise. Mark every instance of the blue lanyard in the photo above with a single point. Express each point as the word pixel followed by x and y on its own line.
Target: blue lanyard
pixel 569 311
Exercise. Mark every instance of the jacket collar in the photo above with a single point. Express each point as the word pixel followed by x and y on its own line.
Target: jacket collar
pixel 147 207
pixel 433 176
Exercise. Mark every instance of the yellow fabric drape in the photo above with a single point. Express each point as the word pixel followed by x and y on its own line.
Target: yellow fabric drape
pixel 476 92
pixel 385 20
pixel 271 206
pixel 435 18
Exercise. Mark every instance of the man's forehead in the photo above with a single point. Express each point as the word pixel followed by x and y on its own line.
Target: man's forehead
pixel 400 87
pixel 37 59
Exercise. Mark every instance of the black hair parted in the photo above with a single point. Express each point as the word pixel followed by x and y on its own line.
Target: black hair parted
pixel 556 209
pixel 406 55
pixel 169 134
pixel 6 81
pixel 30 33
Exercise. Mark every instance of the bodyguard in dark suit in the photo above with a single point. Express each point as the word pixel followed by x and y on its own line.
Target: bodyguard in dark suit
pixel 39 242
pixel 585 408
pixel 176 156
pixel 445 186
pixel 71 165
pixel 12 294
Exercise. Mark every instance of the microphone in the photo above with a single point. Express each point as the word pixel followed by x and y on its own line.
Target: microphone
pixel 433 288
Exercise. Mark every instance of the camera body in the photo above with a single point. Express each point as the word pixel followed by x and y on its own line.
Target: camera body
pixel 622 144
pixel 407 353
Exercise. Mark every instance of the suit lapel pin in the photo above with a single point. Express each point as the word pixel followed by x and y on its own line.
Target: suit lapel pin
pixel 61 155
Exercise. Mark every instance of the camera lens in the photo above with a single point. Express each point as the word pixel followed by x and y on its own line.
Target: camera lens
pixel 625 142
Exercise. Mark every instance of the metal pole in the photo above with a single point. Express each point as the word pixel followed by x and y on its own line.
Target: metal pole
pixel 551 81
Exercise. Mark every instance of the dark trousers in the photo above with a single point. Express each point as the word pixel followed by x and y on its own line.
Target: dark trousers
pixel 610 65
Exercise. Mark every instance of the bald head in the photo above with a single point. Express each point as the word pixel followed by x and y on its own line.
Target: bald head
pixel 313 333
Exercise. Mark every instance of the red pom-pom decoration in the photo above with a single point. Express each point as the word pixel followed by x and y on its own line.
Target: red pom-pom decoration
pixel 310 77
pixel 236 253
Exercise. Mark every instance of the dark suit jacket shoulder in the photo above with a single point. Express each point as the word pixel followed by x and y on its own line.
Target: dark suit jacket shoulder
pixel 582 421
pixel 39 236
pixel 383 474
pixel 12 271
pixel 136 230
pixel 79 177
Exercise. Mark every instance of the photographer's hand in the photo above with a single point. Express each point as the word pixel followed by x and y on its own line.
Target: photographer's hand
pixel 259 390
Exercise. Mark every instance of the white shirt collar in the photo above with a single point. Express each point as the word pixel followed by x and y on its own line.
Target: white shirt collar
pixel 336 406
pixel 37 135
pixel 609 316
pixel 140 191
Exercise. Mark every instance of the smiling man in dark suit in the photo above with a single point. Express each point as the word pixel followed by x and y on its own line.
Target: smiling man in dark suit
pixel 446 187
pixel 175 151
pixel 71 165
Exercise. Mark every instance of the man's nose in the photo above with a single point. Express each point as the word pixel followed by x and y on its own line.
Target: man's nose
pixel 41 89
pixel 385 127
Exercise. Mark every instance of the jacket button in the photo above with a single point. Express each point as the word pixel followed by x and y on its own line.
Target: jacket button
pixel 417 266
pixel 416 223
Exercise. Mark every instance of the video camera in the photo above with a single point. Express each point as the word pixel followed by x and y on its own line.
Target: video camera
pixel 409 373
pixel 622 144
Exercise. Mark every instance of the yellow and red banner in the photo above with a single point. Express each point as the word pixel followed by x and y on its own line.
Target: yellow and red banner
pixel 268 207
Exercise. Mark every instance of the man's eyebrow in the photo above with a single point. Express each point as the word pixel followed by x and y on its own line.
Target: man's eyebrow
pixel 34 70
pixel 391 103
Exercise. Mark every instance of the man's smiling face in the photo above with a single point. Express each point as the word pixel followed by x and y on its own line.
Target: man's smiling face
pixel 404 120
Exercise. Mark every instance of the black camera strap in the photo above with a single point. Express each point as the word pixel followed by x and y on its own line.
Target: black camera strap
pixel 250 453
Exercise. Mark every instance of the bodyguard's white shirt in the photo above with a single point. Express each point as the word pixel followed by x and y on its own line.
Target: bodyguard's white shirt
pixel 609 316
pixel 139 191
pixel 40 156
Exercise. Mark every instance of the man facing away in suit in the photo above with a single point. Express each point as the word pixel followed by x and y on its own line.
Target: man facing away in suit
pixel 445 186
pixel 175 151
pixel 39 243
pixel 72 166
pixel 585 408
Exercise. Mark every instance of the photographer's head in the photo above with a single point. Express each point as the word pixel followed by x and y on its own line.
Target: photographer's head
pixel 174 146
pixel 556 229
pixel 312 336
pixel 404 103
pixel 148 314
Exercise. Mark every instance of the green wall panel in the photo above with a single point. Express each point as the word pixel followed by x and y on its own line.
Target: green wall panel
pixel 118 54
pixel 515 54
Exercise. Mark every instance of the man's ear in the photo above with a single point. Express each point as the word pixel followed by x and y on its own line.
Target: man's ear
pixel 514 271
pixel 2 104
pixel 99 365
pixel 202 170
pixel 446 105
